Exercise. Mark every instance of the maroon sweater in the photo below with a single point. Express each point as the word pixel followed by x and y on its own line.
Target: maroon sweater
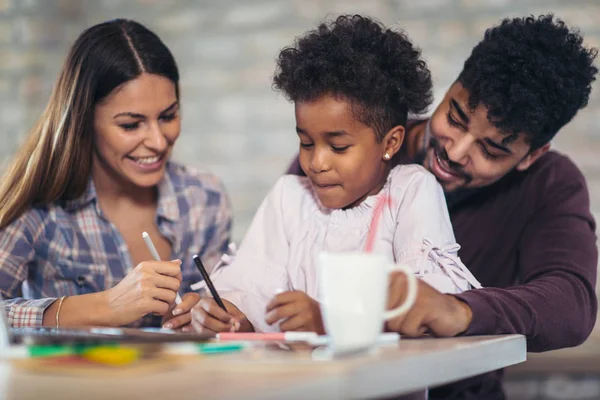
pixel 530 240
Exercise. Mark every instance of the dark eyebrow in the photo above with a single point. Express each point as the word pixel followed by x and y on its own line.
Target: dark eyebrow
pixel 497 146
pixel 136 115
pixel 337 134
pixel 330 134
pixel 171 107
pixel 129 114
pixel 463 115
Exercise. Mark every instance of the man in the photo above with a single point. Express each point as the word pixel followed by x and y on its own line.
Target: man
pixel 520 212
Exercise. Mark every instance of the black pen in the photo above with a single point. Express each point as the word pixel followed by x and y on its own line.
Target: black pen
pixel 209 283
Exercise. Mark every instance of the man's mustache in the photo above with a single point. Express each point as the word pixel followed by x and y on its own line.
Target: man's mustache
pixel 454 167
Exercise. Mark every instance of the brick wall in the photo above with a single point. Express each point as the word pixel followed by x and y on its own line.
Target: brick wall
pixel 234 124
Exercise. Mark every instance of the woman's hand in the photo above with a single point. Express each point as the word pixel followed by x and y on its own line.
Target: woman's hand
pixel 151 287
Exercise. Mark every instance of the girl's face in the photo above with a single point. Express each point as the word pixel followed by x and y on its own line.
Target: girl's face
pixel 341 155
pixel 135 128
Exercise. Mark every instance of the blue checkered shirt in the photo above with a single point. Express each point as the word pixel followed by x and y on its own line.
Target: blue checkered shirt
pixel 69 248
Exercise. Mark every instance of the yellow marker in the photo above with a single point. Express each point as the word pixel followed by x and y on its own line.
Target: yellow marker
pixel 112 355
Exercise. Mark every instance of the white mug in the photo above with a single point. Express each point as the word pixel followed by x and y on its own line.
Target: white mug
pixel 353 290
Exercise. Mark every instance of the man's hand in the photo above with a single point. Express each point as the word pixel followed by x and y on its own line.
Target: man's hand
pixel 433 312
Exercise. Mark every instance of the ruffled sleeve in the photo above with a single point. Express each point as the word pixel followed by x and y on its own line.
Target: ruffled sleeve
pixel 423 238
pixel 259 269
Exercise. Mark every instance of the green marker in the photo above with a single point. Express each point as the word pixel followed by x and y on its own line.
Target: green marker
pixel 54 350
pixel 216 348
pixel 50 350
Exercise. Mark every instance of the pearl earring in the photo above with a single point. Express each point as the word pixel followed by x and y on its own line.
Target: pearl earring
pixel 387 156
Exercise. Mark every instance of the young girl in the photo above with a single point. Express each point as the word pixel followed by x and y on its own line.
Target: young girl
pixel 353 84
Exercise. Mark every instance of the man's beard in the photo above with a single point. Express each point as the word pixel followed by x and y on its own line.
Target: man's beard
pixel 431 142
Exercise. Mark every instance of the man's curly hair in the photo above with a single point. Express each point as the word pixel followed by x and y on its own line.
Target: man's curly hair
pixel 377 70
pixel 532 74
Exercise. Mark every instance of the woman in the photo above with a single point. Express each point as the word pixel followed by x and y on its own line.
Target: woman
pixel 93 175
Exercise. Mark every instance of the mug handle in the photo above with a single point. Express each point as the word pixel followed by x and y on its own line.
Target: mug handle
pixel 410 296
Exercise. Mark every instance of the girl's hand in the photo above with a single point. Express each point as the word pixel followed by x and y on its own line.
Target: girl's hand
pixel 296 311
pixel 207 316
pixel 179 315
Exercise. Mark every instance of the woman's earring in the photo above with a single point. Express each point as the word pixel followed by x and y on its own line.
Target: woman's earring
pixel 387 156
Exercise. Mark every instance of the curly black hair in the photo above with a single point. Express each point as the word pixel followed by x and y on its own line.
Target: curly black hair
pixel 532 74
pixel 377 70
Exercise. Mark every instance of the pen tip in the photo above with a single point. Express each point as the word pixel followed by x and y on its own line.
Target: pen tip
pixel 144 234
pixel 194 256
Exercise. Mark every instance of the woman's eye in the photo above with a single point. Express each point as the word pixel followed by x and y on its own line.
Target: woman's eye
pixel 169 117
pixel 130 127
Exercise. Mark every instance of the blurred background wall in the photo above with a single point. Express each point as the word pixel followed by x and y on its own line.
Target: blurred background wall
pixel 233 123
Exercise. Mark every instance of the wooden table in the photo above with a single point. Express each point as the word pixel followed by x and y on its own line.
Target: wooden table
pixel 410 365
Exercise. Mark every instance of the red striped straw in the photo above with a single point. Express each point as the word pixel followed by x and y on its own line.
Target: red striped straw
pixel 381 203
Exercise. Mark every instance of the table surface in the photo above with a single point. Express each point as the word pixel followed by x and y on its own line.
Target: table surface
pixel 261 373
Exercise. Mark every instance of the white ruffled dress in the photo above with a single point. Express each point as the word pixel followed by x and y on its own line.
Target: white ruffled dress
pixel 291 228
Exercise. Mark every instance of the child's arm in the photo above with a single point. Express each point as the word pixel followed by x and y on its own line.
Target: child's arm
pixel 259 268
pixel 424 239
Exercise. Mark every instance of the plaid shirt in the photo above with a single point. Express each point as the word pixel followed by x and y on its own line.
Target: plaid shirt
pixel 70 248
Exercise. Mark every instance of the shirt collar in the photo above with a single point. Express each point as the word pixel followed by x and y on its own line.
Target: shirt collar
pixel 168 207
pixel 87 197
pixel 167 198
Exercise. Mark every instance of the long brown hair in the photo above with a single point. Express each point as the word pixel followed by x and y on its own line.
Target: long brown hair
pixel 55 161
